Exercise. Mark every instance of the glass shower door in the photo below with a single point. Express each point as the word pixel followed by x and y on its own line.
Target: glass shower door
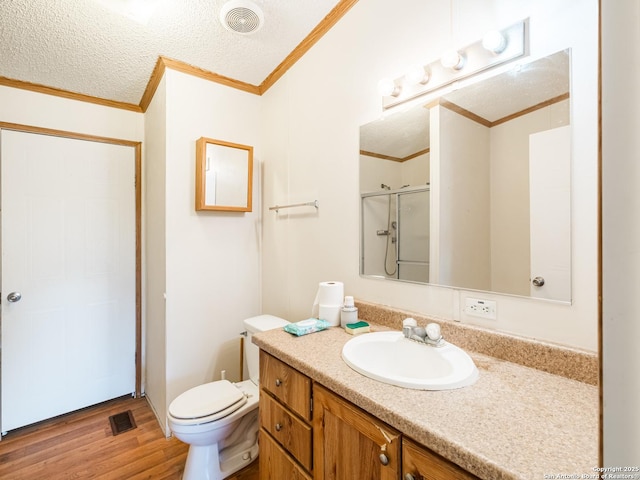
pixel 413 235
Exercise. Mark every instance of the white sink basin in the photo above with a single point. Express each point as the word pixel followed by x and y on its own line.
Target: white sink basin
pixel 391 358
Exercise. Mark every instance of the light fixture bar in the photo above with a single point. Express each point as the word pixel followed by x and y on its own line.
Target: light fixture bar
pixel 474 58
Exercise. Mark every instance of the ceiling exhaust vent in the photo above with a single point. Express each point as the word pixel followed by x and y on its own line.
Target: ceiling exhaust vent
pixel 241 16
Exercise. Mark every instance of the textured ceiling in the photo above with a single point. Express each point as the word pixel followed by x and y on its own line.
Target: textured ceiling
pixel 84 47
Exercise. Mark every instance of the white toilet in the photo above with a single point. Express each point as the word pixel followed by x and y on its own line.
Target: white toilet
pixel 219 420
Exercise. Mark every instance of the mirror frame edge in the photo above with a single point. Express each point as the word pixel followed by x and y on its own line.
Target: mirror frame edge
pixel 200 205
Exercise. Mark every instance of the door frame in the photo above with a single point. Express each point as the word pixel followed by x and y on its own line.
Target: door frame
pixel 137 146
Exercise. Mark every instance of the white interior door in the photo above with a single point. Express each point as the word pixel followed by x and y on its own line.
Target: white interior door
pixel 550 209
pixel 68 247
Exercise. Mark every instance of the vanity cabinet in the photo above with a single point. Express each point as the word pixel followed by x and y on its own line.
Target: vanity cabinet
pixel 419 463
pixel 349 443
pixel 285 421
pixel 330 438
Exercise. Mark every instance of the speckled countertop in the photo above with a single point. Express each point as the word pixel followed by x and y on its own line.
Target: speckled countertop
pixel 515 422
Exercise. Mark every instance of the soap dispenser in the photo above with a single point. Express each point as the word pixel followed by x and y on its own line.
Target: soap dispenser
pixel 349 312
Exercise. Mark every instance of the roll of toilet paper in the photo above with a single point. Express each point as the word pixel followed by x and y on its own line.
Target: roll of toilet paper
pixel 330 313
pixel 329 294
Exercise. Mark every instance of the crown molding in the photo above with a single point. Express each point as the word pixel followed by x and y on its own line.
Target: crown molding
pixel 58 92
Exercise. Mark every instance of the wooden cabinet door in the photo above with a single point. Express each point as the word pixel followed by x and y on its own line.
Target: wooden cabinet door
pixel 350 444
pixel 418 463
pixel 275 463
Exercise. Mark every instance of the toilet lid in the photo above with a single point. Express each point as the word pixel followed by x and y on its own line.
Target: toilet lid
pixel 208 399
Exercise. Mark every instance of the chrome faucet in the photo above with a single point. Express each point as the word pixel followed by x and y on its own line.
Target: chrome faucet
pixel 429 335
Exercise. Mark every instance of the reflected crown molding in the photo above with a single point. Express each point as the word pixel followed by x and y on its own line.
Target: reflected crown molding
pixel 488 123
pixel 392 158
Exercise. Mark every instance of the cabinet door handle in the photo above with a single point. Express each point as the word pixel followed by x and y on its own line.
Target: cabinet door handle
pixel 408 476
pixel 384 460
pixel 278 427
pixel 278 382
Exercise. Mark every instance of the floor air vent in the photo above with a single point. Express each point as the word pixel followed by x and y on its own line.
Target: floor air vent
pixel 122 422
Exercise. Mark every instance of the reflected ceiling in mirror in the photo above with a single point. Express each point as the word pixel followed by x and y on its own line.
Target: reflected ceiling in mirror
pixel 494 157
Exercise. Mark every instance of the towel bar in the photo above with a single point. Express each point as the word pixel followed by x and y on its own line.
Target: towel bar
pixel 305 204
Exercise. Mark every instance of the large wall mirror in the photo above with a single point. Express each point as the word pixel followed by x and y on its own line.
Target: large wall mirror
pixel 473 189
pixel 224 175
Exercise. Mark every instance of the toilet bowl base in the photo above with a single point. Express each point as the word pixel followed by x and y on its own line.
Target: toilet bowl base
pixel 205 462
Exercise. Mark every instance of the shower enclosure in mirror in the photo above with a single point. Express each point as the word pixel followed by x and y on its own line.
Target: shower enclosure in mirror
pixel 472 190
pixel 400 249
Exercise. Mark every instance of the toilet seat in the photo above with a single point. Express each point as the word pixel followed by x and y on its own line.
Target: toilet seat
pixel 207 403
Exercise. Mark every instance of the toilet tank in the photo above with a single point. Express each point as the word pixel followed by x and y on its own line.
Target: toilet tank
pixel 261 323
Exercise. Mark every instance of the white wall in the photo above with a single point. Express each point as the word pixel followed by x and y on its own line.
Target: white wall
pixel 46 111
pixel 310 129
pixel 155 251
pixel 416 171
pixel 460 192
pixel 621 231
pixel 212 258
pixel 375 171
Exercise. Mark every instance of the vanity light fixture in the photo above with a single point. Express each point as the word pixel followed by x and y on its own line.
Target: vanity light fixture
pixel 452 59
pixel 417 74
pixel 495 48
pixel 388 88
pixel 494 41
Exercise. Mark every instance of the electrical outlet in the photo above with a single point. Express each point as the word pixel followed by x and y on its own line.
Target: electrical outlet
pixel 480 308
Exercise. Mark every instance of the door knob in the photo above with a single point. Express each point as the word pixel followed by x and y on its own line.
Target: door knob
pixel 14 297
pixel 538 282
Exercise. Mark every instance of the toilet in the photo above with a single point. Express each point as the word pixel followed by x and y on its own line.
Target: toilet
pixel 219 420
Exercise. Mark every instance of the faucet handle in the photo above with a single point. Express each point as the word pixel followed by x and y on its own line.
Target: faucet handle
pixel 409 322
pixel 433 331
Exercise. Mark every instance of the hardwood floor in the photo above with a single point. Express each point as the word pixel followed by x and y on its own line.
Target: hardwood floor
pixel 81 445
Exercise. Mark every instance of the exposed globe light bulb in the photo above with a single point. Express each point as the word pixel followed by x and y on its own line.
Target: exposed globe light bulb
pixel 494 41
pixel 452 59
pixel 388 88
pixel 417 74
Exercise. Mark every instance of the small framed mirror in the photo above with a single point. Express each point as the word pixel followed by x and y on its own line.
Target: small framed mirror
pixel 224 176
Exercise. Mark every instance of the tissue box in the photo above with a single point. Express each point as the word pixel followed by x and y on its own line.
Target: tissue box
pixel 304 327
